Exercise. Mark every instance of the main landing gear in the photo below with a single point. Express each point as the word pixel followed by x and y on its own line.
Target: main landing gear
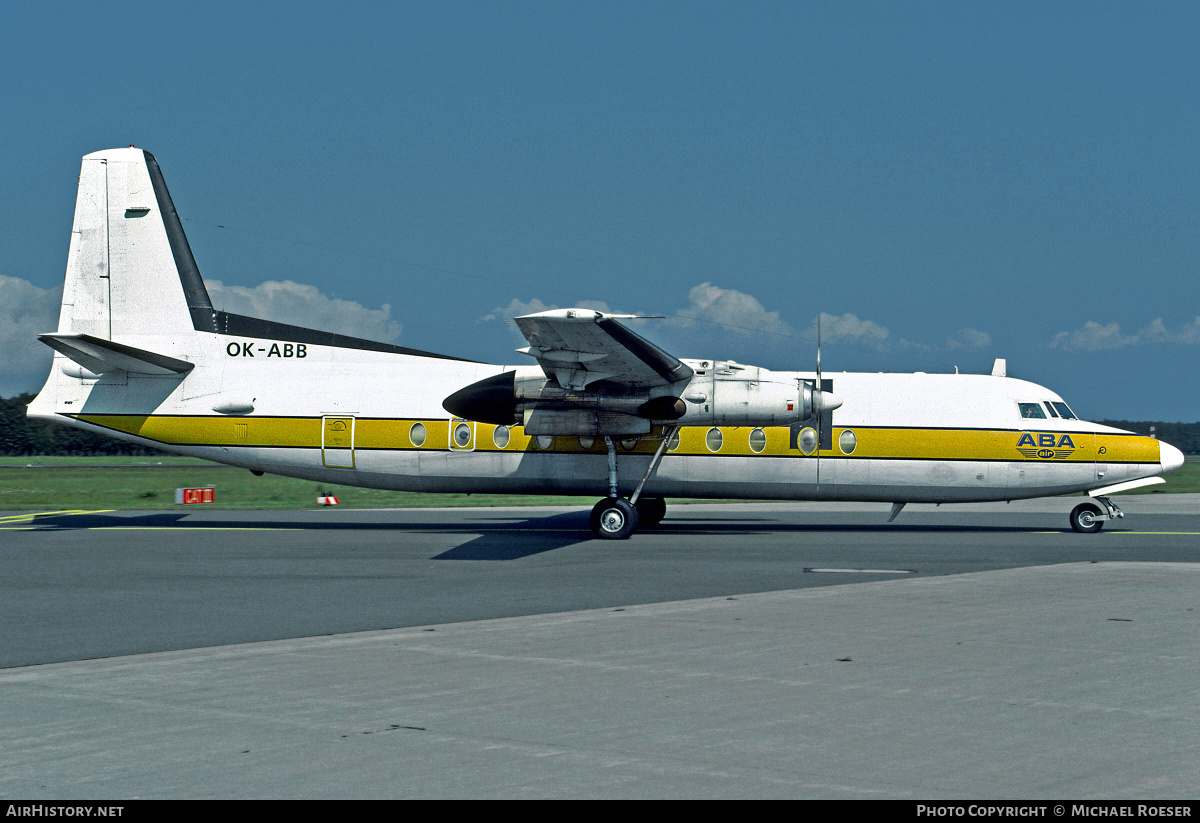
pixel 1088 518
pixel 615 517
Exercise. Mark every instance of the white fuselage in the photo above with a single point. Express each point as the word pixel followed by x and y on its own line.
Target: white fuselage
pixel 354 417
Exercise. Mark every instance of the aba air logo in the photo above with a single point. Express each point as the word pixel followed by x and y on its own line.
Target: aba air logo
pixel 1045 445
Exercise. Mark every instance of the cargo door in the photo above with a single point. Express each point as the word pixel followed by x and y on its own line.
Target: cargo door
pixel 337 442
pixel 1099 454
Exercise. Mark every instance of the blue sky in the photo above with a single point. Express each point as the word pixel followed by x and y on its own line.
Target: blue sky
pixel 945 183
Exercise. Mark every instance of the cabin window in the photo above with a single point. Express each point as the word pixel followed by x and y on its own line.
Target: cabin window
pixel 807 440
pixel 462 435
pixel 544 441
pixel 1063 411
pixel 758 441
pixel 629 443
pixel 847 442
pixel 1032 411
pixel 500 437
pixel 586 443
pixel 416 434
pixel 674 444
pixel 713 440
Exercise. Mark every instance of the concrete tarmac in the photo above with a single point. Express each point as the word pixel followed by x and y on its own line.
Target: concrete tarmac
pixel 1030 678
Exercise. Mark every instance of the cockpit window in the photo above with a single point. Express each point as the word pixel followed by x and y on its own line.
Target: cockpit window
pixel 1050 408
pixel 1064 412
pixel 1032 410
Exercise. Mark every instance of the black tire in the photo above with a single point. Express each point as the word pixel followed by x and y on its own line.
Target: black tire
pixel 1084 518
pixel 651 511
pixel 614 518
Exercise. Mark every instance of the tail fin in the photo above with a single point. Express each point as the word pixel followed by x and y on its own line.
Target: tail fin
pixel 130 270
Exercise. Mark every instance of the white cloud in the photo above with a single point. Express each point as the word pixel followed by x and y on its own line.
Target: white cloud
pixel 969 339
pixel 1096 337
pixel 1093 337
pixel 849 329
pixel 516 308
pixel 1157 332
pixel 25 312
pixel 1189 333
pixel 730 308
pixel 302 305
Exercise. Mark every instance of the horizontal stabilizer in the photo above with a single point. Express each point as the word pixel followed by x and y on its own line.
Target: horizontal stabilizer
pixel 99 356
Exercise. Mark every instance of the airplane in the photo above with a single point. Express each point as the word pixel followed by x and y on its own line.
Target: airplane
pixel 141 354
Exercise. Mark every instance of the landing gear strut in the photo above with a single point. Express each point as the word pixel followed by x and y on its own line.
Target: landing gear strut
pixel 614 517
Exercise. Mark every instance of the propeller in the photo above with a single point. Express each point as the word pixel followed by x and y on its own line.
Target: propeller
pixel 823 401
pixel 817 404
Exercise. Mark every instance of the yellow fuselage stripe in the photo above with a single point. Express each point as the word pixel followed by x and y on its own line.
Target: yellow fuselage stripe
pixel 870 442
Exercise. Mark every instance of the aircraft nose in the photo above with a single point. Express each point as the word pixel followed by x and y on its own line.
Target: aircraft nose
pixel 1170 457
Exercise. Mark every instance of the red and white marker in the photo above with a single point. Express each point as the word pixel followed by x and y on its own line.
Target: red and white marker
pixel 326 499
pixel 204 494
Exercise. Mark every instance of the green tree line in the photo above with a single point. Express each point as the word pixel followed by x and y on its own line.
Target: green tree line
pixel 1183 436
pixel 22 436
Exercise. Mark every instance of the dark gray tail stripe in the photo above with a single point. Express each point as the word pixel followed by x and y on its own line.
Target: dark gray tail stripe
pixel 198 302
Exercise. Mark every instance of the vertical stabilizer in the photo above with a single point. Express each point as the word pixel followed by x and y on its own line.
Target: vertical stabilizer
pixel 130 270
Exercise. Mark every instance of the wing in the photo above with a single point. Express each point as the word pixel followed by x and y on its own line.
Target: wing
pixel 577 347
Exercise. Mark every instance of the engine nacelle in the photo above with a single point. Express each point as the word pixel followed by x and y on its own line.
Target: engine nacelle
pixel 729 394
pixel 527 397
pixel 749 403
pixel 582 422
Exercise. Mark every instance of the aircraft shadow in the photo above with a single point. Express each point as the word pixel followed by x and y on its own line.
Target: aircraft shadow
pixel 523 538
pixel 506 538
pixel 512 536
pixel 513 541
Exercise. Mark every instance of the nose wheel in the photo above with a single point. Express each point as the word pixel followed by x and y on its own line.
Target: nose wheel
pixel 1088 518
pixel 1085 518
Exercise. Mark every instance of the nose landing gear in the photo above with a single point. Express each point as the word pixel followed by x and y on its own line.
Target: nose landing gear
pixel 1088 518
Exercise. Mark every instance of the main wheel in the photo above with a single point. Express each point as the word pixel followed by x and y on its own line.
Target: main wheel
pixel 614 518
pixel 1085 518
pixel 651 510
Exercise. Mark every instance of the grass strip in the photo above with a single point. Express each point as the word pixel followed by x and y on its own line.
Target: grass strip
pixel 37 483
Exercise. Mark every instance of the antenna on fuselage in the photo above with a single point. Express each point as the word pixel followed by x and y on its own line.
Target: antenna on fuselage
pixel 818 347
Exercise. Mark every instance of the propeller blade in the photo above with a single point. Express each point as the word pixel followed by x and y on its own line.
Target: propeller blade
pixel 817 393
